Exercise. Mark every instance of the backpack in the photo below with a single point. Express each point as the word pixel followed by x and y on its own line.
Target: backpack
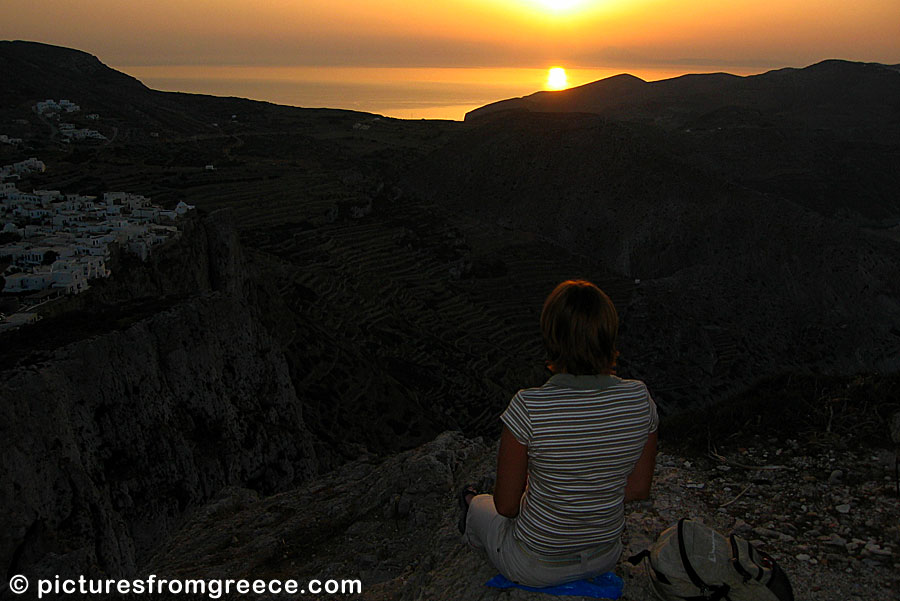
pixel 692 561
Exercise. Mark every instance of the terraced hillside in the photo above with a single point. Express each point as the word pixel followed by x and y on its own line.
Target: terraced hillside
pixel 405 316
pixel 733 282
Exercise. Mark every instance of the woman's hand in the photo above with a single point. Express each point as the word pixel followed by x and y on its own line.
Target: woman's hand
pixel 512 474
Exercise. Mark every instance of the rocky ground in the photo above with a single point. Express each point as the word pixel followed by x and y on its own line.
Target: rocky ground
pixel 830 519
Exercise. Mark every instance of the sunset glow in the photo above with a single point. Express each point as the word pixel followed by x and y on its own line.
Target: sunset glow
pixel 647 38
pixel 561 4
pixel 464 33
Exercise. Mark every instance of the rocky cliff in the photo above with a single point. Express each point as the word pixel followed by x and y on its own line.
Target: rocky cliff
pixel 109 439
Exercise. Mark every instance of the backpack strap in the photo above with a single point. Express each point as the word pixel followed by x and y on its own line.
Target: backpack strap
pixel 645 554
pixel 736 560
pixel 760 559
pixel 688 568
pixel 710 593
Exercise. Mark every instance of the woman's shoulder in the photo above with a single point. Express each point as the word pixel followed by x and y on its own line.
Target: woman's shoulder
pixel 635 387
pixel 566 385
pixel 631 383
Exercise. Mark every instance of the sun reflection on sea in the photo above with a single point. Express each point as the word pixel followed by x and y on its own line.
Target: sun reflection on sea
pixel 407 93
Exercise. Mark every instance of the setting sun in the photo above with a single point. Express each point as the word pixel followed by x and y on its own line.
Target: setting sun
pixel 560 4
pixel 557 79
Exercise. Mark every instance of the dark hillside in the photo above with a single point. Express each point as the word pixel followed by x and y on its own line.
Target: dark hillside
pixel 733 283
pixel 41 71
pixel 826 136
pixel 34 71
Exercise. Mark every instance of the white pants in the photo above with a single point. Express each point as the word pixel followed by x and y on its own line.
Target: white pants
pixel 488 530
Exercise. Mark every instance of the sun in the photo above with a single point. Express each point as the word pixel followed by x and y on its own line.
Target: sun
pixel 556 79
pixel 560 4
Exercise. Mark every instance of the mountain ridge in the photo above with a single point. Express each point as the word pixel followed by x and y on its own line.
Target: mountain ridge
pixel 34 71
pixel 861 93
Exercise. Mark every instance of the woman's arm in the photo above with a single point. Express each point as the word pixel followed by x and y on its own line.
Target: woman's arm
pixel 512 473
pixel 638 485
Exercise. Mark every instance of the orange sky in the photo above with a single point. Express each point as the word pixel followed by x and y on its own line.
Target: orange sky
pixel 463 33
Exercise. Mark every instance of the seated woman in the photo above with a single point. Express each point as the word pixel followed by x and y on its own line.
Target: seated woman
pixel 571 453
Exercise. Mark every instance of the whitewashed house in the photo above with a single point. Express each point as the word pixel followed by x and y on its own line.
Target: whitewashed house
pixel 146 213
pixel 93 267
pixel 33 231
pixel 11 228
pixel 35 255
pixel 65 219
pixel 132 201
pixel 24 167
pixel 47 197
pixel 39 213
pixel 25 282
pixel 68 276
pixel 46 106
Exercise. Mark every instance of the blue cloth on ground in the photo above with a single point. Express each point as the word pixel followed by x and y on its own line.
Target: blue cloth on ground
pixel 604 586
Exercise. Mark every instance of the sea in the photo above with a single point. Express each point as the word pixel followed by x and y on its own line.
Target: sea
pixel 405 93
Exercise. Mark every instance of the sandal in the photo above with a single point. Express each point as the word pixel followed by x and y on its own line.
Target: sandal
pixel 468 489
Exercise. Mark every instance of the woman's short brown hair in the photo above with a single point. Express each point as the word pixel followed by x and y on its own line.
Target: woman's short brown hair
pixel 580 324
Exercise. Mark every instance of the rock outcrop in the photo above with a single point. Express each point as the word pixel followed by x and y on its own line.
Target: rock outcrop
pixel 109 440
pixel 391 524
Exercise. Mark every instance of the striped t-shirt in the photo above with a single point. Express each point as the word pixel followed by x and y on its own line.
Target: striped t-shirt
pixel 584 435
